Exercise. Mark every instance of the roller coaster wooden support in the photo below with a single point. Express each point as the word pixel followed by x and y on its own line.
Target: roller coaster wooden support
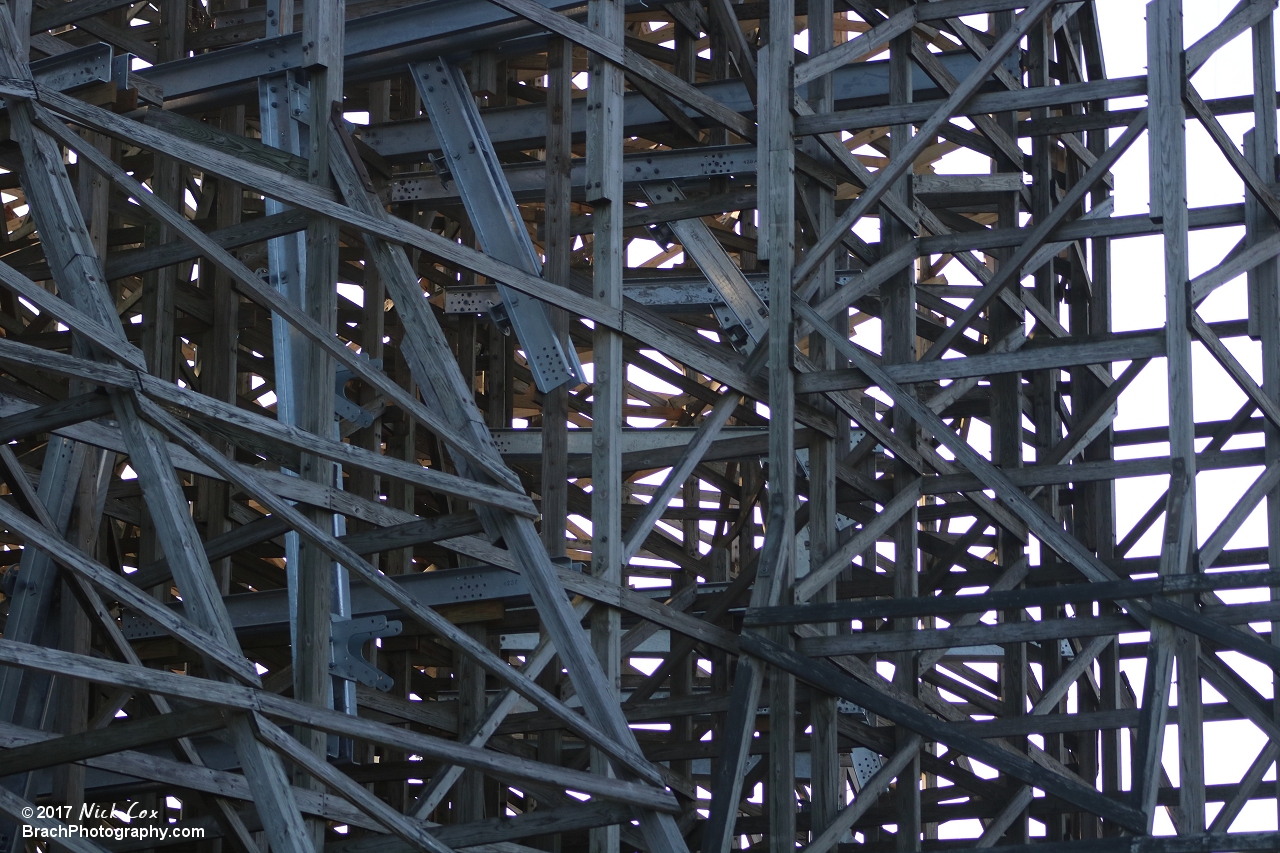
pixel 536 425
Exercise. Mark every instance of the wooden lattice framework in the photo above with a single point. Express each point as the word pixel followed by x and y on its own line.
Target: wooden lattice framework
pixel 316 314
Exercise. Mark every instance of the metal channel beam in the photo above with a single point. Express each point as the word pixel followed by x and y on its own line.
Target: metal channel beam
pixel 527 181
pixel 75 68
pixel 494 215
pixel 79 67
pixel 269 611
pixel 864 84
pixel 747 307
pixel 676 293
pixel 410 33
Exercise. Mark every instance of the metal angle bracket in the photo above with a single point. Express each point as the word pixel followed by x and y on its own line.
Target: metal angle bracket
pixel 804 540
pixel 472 164
pixel 346 639
pixel 299 99
pixel 344 407
pixel 120 67
pixel 733 330
pixel 865 762
pixel 442 168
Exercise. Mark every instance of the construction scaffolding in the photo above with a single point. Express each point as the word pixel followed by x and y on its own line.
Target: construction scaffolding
pixel 666 426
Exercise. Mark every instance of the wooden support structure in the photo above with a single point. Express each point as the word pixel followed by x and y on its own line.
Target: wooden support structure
pixel 685 426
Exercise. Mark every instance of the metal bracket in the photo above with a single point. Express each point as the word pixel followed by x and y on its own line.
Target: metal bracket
pixel 733 330
pixel 346 639
pixel 344 407
pixel 500 317
pixel 866 763
pixel 661 233
pixel 80 67
pixel 441 165
pixel 299 99
pixel 120 70
pixel 470 300
pixel 844 706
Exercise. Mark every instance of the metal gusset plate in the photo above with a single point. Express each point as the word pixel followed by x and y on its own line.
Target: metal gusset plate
pixel 346 639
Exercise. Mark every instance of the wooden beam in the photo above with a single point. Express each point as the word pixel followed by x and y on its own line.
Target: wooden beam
pixel 124 735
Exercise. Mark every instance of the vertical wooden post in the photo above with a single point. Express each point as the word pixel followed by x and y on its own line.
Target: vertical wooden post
pixel 1168 162
pixel 322 39
pixel 555 404
pixel 469 794
pixel 72 695
pixel 777 220
pixel 604 192
pixel 220 347
pixel 1101 497
pixel 1006 439
pixel 159 287
pixel 403 445
pixel 1045 386
pixel 898 298
pixel 682 676
pixel 1264 280
pixel 372 331
pixel 497 378
pixel 1168 206
pixel 826 775
pixel 468 798
pixel 559 251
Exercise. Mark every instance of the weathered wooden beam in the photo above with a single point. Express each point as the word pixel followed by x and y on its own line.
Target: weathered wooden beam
pixel 125 735
pixel 245 699
pixel 830 678
pixel 425 615
pixel 53 416
pixel 924 137
pixel 407 829
pixel 197 636
pixel 137 261
pixel 870 441
pixel 1174 585
pixel 626 58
